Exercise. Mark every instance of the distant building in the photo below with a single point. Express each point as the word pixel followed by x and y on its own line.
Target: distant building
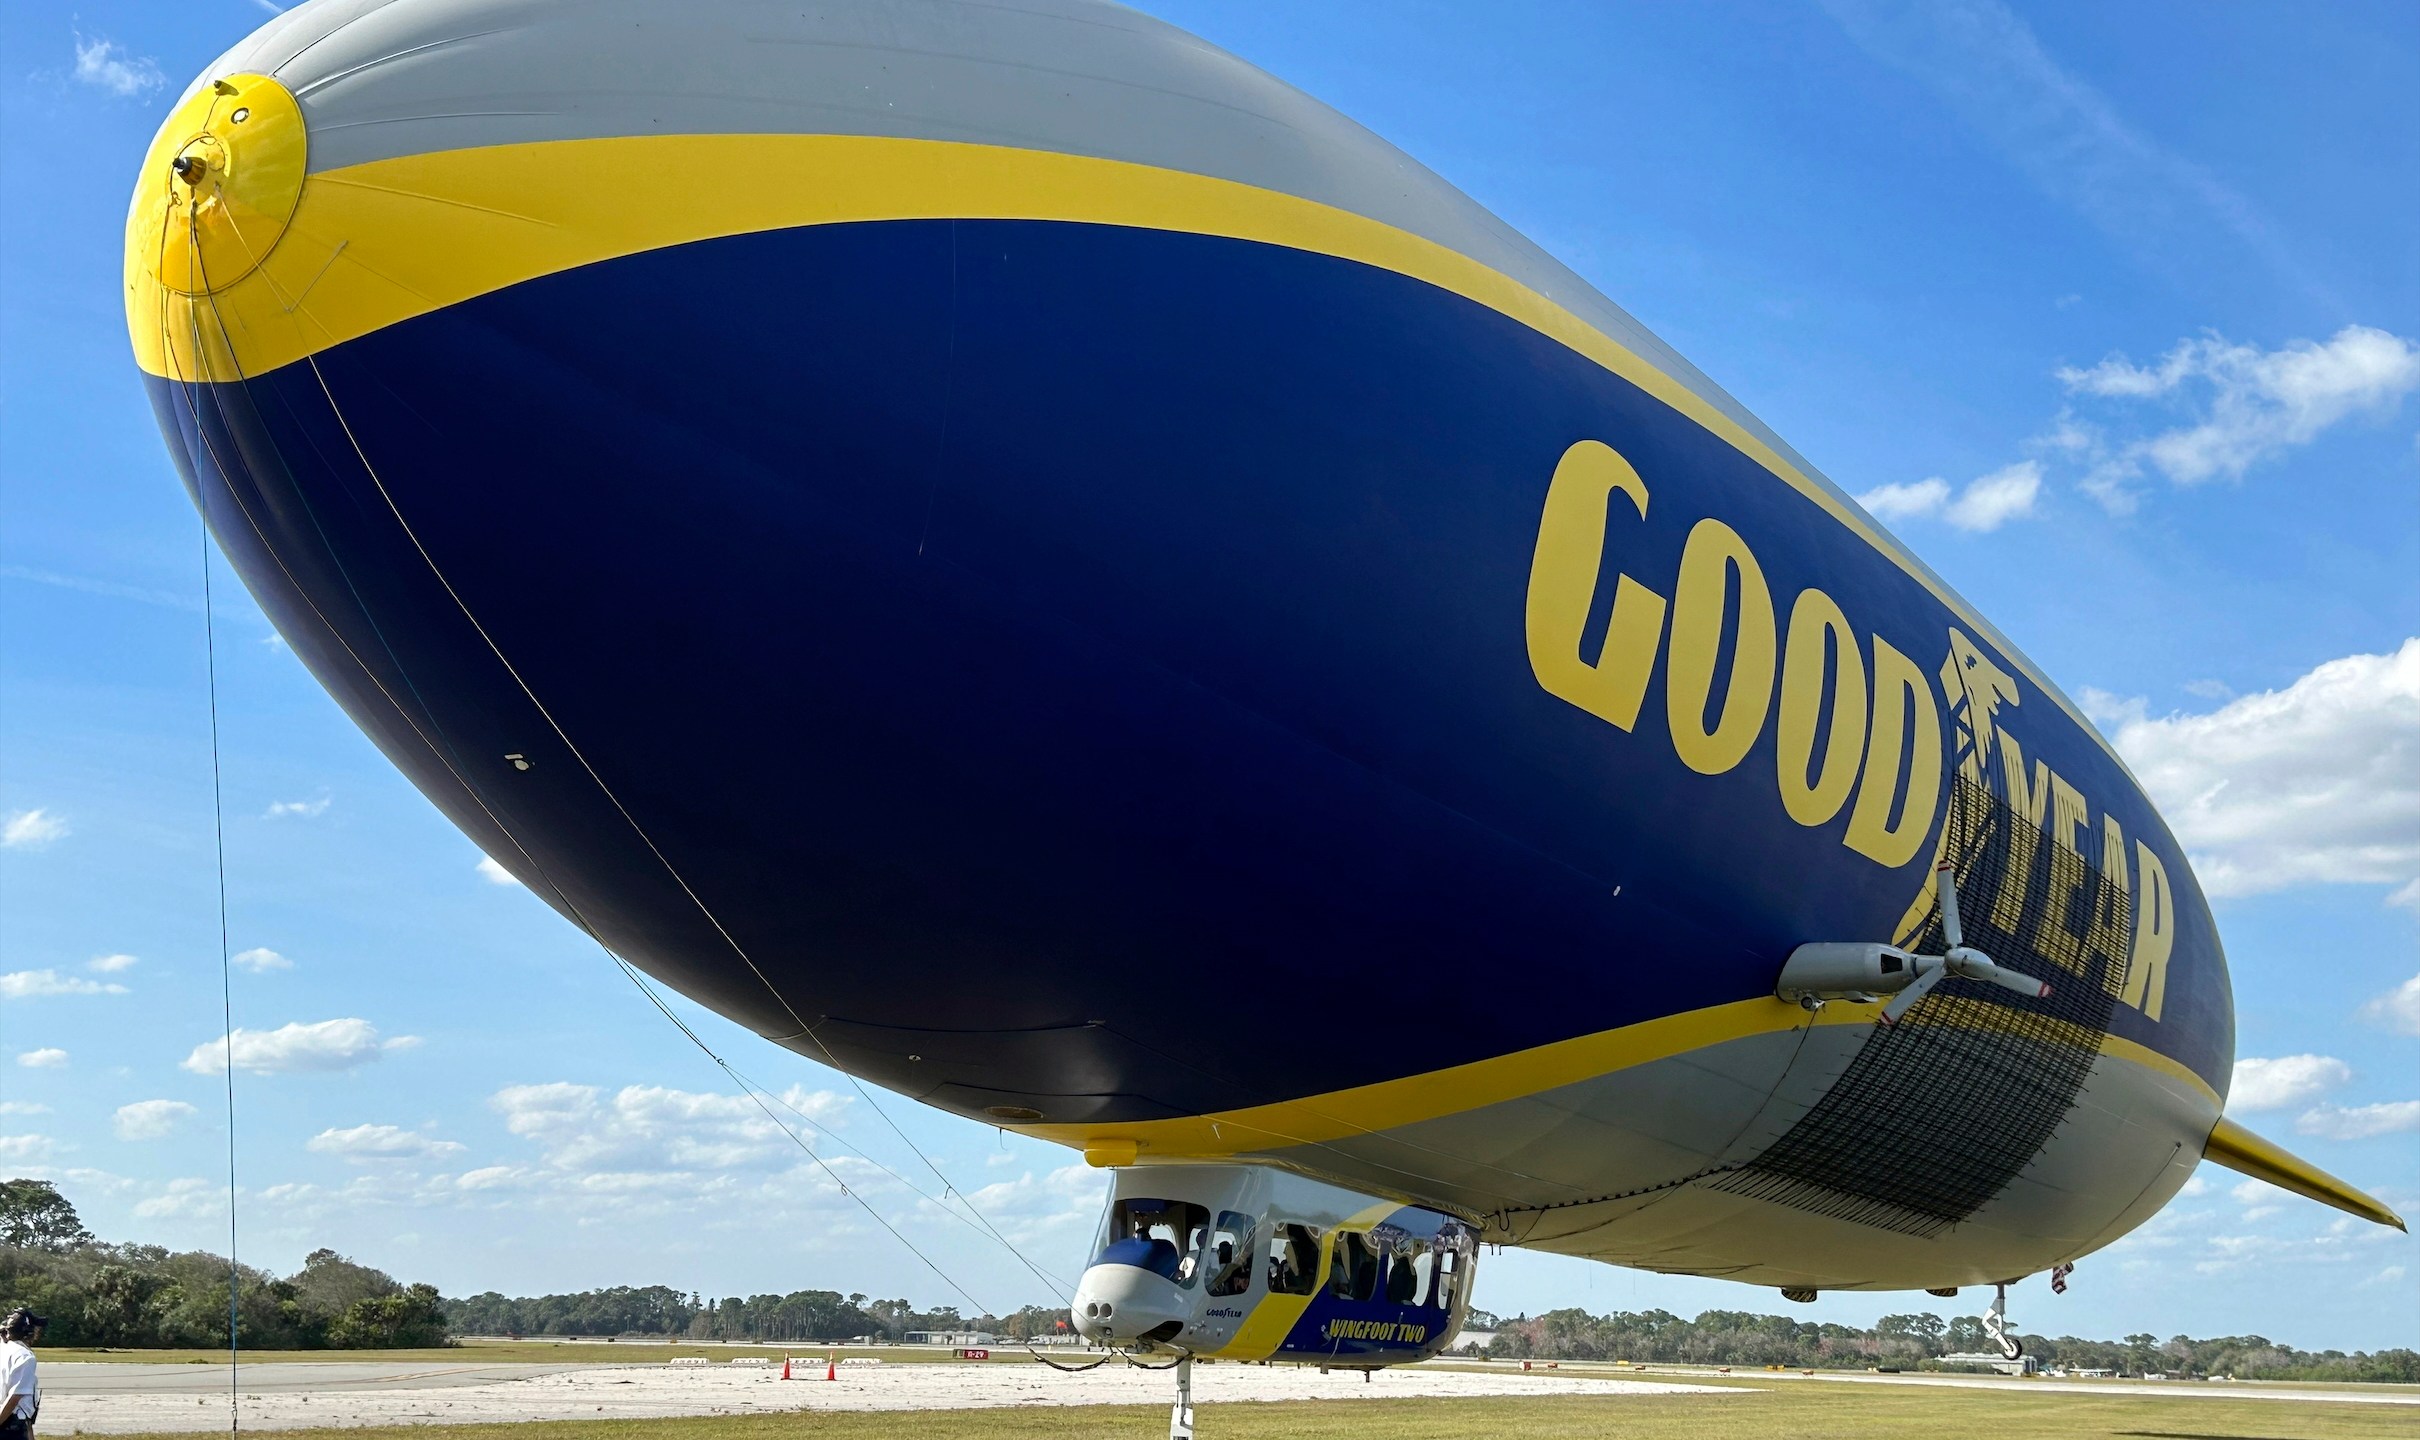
pixel 953 1338
pixel 2022 1365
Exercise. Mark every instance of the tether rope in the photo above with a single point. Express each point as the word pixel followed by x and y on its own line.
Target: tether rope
pixel 436 572
pixel 218 830
pixel 226 974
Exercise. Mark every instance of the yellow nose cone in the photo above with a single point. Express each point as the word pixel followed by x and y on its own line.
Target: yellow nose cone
pixel 219 186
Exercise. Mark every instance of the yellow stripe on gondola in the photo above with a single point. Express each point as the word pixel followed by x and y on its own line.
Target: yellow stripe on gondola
pixel 1275 1317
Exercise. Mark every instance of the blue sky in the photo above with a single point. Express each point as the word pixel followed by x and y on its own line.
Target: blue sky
pixel 2113 310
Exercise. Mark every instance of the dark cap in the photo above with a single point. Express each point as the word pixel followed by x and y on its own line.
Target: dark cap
pixel 22 1323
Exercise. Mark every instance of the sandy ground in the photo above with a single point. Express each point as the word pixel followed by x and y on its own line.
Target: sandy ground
pixel 115 1399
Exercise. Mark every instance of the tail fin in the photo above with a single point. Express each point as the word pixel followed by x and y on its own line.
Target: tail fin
pixel 2245 1153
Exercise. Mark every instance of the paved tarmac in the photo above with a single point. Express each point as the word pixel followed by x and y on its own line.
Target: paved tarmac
pixel 120 1399
pixel 307 1376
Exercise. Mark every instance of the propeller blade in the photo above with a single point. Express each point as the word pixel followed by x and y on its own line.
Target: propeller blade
pixel 1906 999
pixel 1947 883
pixel 2023 984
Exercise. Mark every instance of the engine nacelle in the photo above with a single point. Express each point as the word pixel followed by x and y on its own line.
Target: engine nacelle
pixel 1250 1262
pixel 1845 970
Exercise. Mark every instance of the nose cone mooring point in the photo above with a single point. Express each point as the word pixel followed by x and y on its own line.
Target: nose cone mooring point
pixel 219 187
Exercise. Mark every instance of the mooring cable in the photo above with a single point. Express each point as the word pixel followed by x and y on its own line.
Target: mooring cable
pixel 443 749
pixel 437 572
pixel 226 973
pixel 218 822
pixel 795 1139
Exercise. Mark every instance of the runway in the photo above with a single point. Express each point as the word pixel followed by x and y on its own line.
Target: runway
pixel 116 1399
pixel 281 1378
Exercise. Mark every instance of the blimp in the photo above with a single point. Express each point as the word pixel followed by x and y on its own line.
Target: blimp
pixel 1019 556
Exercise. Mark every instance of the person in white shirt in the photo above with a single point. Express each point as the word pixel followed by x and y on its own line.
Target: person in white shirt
pixel 20 1382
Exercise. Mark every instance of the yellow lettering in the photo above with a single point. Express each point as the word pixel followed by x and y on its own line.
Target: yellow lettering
pixel 2154 934
pixel 2108 938
pixel 1563 583
pixel 1896 682
pixel 2030 802
pixel 1699 607
pixel 1816 625
pixel 2068 816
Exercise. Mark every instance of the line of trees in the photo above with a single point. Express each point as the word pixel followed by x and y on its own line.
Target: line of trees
pixel 98 1293
pixel 1737 1337
pixel 140 1296
pixel 662 1311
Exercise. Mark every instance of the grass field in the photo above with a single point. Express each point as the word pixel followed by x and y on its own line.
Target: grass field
pixel 1796 1412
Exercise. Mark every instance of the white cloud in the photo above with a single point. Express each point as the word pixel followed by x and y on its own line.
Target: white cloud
pixel 187 1198
pixel 102 64
pixel 30 829
pixel 2111 712
pixel 149 1119
pixel 23 1148
pixel 2209 689
pixel 307 809
pixel 2398 1009
pixel 2259 1199
pixel 23 1107
pixel 2244 404
pixel 320 1046
pixel 1995 499
pixel 2391 1275
pixel 111 964
pixel 495 873
pixel 2284 1082
pixel 27 984
pixel 649 1127
pixel 43 1059
pixel 2316 783
pixel 2259 401
pixel 1058 1206
pixel 1909 501
pixel 2361 1122
pixel 260 960
pixel 1984 505
pixel 364 1143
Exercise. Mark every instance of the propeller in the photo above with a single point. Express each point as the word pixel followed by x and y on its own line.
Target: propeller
pixel 1958 959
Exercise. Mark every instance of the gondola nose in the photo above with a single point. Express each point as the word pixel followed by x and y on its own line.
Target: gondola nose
pixel 1124 1304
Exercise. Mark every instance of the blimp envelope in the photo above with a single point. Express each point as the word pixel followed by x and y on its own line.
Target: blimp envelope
pixel 1014 553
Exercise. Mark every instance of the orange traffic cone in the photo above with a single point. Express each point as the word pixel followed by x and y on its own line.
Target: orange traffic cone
pixel 785 1367
pixel 831 1369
